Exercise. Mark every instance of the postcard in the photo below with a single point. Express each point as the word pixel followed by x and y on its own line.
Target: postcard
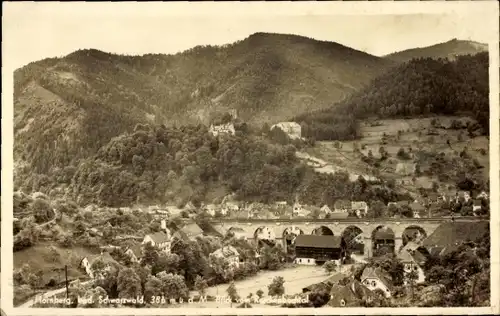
pixel 250 158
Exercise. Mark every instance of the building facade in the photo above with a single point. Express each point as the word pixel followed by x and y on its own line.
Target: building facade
pixel 312 249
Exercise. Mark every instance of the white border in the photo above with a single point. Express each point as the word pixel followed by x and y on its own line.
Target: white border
pixel 489 9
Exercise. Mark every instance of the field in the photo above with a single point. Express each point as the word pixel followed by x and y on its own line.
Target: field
pixel 413 135
pixel 51 261
pixel 296 278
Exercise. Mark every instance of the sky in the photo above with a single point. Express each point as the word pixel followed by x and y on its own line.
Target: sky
pixel 33 31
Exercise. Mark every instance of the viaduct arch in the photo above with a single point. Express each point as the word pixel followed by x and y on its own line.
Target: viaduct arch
pixel 278 228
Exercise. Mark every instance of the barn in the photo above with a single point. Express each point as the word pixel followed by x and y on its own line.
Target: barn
pixel 314 249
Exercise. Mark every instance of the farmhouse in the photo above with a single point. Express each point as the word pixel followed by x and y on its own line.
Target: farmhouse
pixel 310 249
pixel 342 206
pixel 292 129
pixel 134 252
pixel 189 231
pixel 159 240
pixel 229 254
pixel 349 295
pixel 413 260
pixel 376 278
pixel 87 263
pixel 217 130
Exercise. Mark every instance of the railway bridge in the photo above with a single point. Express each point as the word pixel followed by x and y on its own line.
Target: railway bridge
pixel 278 228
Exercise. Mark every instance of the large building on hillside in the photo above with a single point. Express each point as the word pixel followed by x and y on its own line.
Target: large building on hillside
pixel 312 249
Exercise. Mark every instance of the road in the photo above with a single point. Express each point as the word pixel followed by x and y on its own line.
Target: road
pixel 31 301
pixel 53 220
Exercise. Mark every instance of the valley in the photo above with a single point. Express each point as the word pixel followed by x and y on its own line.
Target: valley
pixel 169 173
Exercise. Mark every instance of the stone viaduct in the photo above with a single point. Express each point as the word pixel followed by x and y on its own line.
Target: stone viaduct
pixel 249 228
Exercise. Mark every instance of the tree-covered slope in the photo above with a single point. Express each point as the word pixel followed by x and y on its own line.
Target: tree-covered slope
pixel 419 87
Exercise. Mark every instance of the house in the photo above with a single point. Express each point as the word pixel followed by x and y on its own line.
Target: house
pixel 417 208
pixel 135 253
pixel 280 204
pixel 325 209
pixel 412 260
pixel 229 254
pixel 173 211
pixel 88 261
pixel 433 198
pixel 349 295
pixel 483 195
pixel 477 206
pixel 299 211
pixel 384 239
pixel 310 249
pixel 406 169
pixel 376 278
pixel 189 231
pixel 159 240
pixel 217 130
pixel 399 204
pixel 229 207
pixel 324 285
pixel 342 206
pixel 265 233
pixel 360 208
pixel 292 129
pixel 448 236
pixel 462 196
pixel 211 209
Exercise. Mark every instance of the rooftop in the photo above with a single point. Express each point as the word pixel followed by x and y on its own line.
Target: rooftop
pixel 159 237
pixel 318 241
pixel 377 273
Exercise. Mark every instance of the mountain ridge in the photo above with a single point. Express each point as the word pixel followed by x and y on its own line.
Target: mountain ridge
pixel 449 49
pixel 82 100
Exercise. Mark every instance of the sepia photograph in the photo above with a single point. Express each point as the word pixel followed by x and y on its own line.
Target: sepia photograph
pixel 268 156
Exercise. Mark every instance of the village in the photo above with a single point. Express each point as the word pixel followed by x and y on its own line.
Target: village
pixel 295 250
pixel 304 250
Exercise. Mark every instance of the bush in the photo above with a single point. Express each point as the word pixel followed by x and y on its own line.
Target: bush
pixel 330 266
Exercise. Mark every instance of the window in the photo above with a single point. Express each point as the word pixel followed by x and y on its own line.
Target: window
pixel 374 283
pixel 308 260
pixel 342 302
pixel 415 268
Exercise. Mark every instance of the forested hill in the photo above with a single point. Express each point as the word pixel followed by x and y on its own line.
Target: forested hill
pixel 449 49
pixel 419 87
pixel 159 164
pixel 67 108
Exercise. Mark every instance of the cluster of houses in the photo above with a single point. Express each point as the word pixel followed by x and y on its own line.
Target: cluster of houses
pixel 163 241
pixel 340 209
pixel 413 255
pixel 372 278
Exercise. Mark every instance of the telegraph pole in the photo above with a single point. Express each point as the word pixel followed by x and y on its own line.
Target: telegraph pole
pixel 66 275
